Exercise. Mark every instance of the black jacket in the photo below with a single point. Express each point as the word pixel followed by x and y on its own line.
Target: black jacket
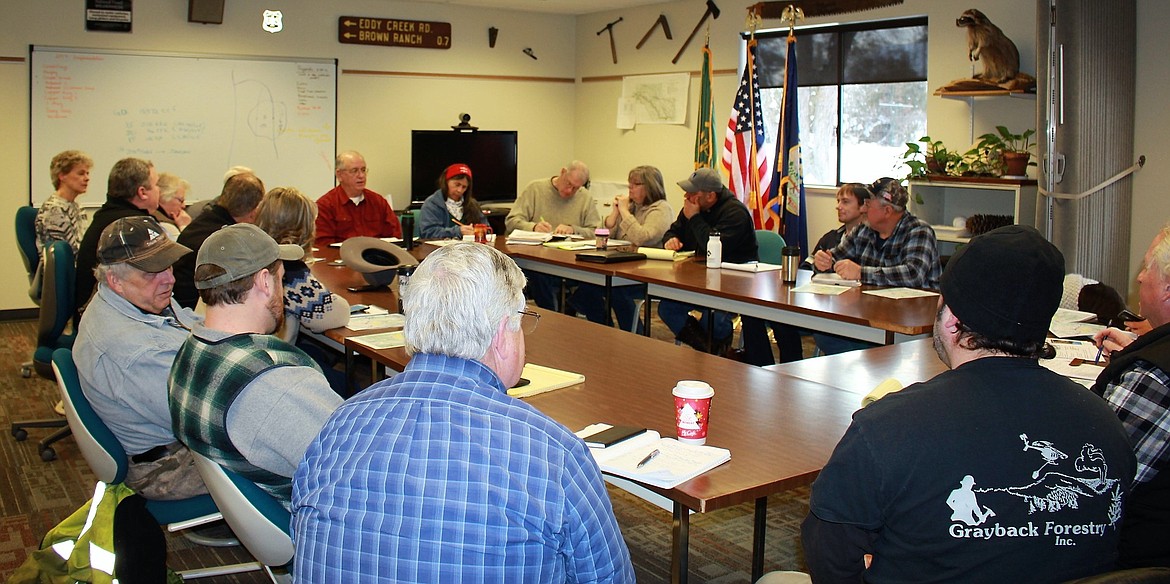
pixel 110 211
pixel 730 218
pixel 212 219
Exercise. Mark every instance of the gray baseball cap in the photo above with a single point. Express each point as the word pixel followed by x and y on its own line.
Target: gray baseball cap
pixel 702 180
pixel 241 250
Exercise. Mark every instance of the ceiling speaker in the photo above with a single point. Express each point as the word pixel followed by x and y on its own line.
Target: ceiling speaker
pixel 205 11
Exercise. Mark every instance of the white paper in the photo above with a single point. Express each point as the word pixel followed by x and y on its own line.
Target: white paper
pixel 1066 315
pixel 1066 330
pixel 657 99
pixel 834 280
pixel 1066 349
pixel 626 114
pixel 1086 370
pixel 386 340
pixel 826 289
pixel 750 267
pixel 901 293
pixel 365 322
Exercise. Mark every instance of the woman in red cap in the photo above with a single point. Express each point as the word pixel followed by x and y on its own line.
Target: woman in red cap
pixel 451 211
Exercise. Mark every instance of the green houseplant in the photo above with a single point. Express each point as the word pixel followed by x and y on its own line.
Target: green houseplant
pixel 1014 151
pixel 929 158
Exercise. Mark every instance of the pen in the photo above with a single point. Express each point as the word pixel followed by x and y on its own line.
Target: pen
pixel 648 458
pixel 1100 350
pixel 456 221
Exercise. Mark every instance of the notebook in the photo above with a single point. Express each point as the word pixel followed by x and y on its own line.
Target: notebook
pixel 609 256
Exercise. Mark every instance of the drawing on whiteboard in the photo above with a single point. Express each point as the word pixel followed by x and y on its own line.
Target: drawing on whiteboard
pixel 264 117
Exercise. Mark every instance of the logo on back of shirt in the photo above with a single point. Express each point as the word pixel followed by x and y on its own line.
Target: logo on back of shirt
pixel 1058 486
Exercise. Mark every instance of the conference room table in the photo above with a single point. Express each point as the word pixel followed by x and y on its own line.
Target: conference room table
pixel 858 372
pixel 763 295
pixel 780 429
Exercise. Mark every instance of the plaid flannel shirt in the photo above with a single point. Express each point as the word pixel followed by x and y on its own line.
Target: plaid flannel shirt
pixel 1142 400
pixel 908 258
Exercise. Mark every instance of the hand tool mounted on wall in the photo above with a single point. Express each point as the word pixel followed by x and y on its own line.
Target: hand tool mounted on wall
pixel 712 11
pixel 665 29
pixel 612 47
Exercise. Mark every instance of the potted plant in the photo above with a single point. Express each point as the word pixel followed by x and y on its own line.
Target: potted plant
pixel 1014 150
pixel 933 159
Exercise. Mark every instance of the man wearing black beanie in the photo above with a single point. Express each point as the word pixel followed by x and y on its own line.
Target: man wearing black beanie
pixel 998 470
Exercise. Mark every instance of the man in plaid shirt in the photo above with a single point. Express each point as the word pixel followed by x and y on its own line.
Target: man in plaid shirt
pixel 1137 384
pixel 892 247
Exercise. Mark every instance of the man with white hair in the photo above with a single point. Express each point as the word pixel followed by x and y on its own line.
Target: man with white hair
pixel 352 210
pixel 1137 384
pixel 437 475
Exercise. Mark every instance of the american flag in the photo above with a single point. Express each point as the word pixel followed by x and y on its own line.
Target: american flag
pixel 747 152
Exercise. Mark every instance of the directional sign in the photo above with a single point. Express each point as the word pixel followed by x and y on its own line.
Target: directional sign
pixel 390 32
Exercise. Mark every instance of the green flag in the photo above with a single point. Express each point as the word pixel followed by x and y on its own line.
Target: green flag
pixel 705 135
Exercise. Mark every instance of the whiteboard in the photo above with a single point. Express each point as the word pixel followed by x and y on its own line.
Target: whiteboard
pixel 191 115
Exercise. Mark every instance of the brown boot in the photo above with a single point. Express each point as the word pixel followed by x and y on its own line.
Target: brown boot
pixel 693 334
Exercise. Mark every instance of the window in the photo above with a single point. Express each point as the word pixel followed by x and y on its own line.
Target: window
pixel 862 96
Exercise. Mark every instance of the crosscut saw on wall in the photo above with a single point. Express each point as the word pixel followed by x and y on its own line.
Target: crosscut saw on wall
pixel 775 9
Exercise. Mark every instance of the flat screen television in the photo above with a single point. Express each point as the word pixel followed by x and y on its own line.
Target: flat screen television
pixel 491 154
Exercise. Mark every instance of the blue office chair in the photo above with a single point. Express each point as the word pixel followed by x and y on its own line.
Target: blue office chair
pixel 109 462
pixel 56 313
pixel 771 246
pixel 257 518
pixel 26 242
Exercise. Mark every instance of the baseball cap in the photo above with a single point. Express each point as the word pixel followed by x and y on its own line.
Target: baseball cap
pixel 141 242
pixel 241 250
pixel 704 179
pixel 891 191
pixel 458 169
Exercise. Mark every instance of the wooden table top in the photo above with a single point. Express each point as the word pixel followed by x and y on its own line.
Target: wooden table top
pixel 780 429
pixel 858 372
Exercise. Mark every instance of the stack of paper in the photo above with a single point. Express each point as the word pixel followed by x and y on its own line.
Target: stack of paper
pixel 675 463
pixel 375 318
pixel 570 245
pixel 541 379
pixel 835 280
pixel 657 253
pixel 750 267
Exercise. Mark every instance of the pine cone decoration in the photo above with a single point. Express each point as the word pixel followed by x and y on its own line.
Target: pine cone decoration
pixel 980 224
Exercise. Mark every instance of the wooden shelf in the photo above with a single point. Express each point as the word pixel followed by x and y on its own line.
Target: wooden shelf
pixel 1020 93
pixel 972 180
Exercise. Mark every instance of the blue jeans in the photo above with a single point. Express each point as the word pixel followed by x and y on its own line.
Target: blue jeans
pixel 834 344
pixel 675 314
pixel 545 290
pixel 589 300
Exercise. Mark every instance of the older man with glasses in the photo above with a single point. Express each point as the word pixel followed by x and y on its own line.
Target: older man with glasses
pixel 891 248
pixel 352 210
pixel 436 474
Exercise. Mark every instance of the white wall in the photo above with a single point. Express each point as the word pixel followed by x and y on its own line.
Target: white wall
pixel 375 112
pixel 611 152
pixel 557 120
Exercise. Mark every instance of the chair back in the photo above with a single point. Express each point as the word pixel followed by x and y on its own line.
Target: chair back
pixel 257 518
pixel 26 238
pixel 97 443
pixel 771 246
pixel 57 305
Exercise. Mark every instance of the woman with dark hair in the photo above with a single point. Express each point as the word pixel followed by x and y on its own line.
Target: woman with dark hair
pixel 452 211
pixel 641 216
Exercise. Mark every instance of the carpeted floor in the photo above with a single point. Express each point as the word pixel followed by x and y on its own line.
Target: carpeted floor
pixel 35 495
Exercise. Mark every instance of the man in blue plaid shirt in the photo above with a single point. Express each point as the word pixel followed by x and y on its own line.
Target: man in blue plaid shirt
pixel 1137 384
pixel 892 247
pixel 437 475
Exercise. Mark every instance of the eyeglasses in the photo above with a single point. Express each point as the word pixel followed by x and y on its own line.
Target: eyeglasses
pixel 528 321
pixel 356 171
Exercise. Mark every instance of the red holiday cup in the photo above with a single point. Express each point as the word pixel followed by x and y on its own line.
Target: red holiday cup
pixel 692 410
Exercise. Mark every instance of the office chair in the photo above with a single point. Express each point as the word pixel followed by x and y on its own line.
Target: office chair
pixel 771 246
pixel 56 312
pixel 26 242
pixel 109 462
pixel 256 517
